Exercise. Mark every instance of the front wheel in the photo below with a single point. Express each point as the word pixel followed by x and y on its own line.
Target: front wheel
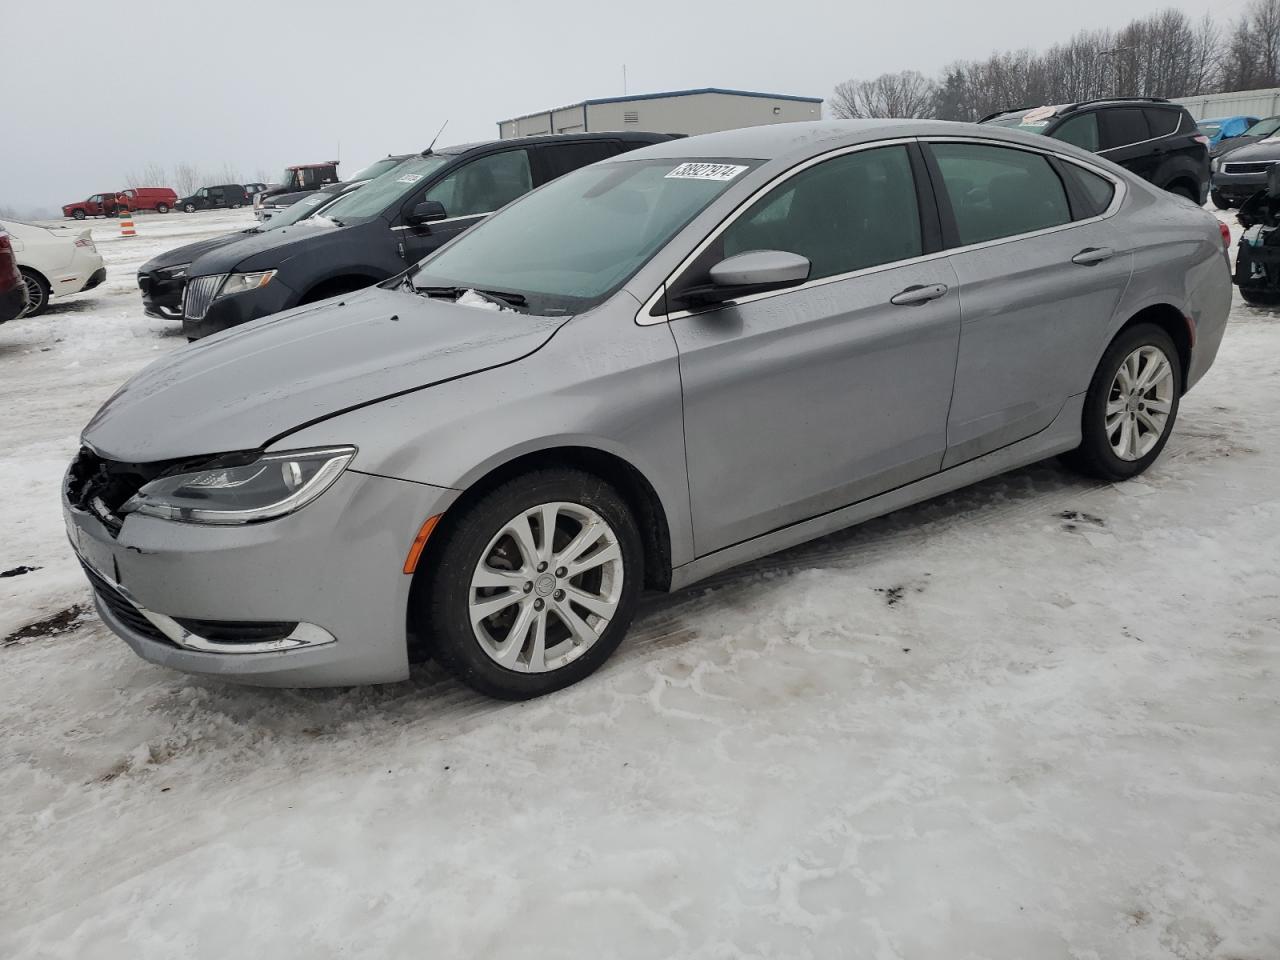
pixel 189 207
pixel 162 208
pixel 535 584
pixel 79 214
pixel 1131 405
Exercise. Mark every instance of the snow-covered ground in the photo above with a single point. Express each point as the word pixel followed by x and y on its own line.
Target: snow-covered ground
pixel 1038 718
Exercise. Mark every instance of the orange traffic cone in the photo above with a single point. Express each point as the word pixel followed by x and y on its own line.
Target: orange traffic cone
pixel 126 221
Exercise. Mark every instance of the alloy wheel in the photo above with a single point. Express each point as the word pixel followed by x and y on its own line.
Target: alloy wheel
pixel 1139 402
pixel 546 587
pixel 35 294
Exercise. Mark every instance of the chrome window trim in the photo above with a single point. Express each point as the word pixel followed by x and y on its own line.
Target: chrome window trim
pixel 468 216
pixel 644 319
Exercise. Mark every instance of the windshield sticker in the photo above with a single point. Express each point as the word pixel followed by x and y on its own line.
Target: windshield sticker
pixel 705 171
pixel 409 178
pixel 312 201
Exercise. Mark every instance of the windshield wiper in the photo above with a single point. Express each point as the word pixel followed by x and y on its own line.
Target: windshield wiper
pixel 502 297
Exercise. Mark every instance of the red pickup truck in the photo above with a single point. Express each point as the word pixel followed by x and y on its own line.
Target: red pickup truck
pixel 159 199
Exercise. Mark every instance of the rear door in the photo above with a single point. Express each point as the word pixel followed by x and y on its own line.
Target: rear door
pixel 806 400
pixel 1041 269
pixel 469 193
pixel 1126 140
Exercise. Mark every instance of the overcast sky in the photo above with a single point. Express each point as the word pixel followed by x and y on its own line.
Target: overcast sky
pixel 94 89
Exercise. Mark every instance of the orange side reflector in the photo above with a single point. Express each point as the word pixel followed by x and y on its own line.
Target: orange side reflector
pixel 420 541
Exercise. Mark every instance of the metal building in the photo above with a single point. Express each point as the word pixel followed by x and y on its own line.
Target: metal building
pixel 1240 103
pixel 680 111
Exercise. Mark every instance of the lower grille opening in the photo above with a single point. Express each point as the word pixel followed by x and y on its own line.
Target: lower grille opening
pixel 239 631
pixel 122 609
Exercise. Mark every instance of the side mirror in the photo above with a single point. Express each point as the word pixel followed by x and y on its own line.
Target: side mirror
pixel 756 271
pixel 427 211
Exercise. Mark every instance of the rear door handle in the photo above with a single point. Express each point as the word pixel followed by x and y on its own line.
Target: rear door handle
pixel 918 294
pixel 1091 255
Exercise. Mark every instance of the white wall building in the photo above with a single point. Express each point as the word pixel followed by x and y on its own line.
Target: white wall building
pixel 1241 103
pixel 680 111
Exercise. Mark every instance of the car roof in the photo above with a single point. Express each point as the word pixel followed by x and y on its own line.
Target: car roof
pixel 628 135
pixel 810 138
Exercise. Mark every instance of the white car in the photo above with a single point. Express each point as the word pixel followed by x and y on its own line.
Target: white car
pixel 54 261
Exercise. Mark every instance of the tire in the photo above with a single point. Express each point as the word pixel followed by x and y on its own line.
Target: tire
pixel 1183 191
pixel 37 292
pixel 79 214
pixel 1260 298
pixel 1219 201
pixel 189 207
pixel 477 536
pixel 162 208
pixel 1097 454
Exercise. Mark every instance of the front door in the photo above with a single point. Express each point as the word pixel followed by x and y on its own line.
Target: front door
pixel 1040 278
pixel 469 193
pixel 802 401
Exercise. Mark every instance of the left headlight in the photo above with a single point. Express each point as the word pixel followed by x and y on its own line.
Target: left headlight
pixel 273 485
pixel 241 282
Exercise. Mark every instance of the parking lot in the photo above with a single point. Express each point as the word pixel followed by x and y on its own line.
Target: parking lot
pixel 1033 718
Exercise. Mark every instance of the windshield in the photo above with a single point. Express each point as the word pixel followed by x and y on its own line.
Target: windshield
pixel 1028 121
pixel 1263 128
pixel 1210 129
pixel 574 242
pixel 376 195
pixel 375 169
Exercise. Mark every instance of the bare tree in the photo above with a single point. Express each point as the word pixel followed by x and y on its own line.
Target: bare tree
pixel 152 174
pixel 230 173
pixel 906 94
pixel 187 178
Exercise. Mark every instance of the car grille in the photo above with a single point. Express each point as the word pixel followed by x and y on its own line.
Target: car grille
pixel 1246 167
pixel 121 608
pixel 199 294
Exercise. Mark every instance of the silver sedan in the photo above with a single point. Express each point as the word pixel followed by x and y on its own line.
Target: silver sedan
pixel 645 372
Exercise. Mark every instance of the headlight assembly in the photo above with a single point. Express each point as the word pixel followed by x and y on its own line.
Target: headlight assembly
pixel 274 485
pixel 241 282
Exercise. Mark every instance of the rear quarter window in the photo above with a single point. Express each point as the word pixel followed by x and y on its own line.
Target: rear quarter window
pixel 1093 193
pixel 1122 126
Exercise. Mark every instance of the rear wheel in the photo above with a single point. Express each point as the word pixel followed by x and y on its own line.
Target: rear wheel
pixel 1183 190
pixel 1219 201
pixel 535 585
pixel 37 292
pixel 162 208
pixel 1131 405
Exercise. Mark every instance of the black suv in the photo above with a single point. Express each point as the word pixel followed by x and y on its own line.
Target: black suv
pixel 223 196
pixel 381 229
pixel 1151 137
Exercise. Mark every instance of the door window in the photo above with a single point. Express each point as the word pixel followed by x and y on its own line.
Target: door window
pixel 561 158
pixel 999 191
pixel 1081 131
pixel 845 214
pixel 202 192
pixel 484 185
pixel 1093 192
pixel 1123 126
pixel 215 194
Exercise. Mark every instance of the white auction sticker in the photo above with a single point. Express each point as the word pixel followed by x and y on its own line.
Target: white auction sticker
pixel 705 171
pixel 409 178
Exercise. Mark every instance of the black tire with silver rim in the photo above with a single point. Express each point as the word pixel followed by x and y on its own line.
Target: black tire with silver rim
pixel 535 584
pixel 189 207
pixel 37 292
pixel 1132 404
pixel 79 214
pixel 162 208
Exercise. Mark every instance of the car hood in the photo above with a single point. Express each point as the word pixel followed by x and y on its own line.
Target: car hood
pixel 1260 150
pixel 246 387
pixel 1230 143
pixel 187 254
pixel 274 243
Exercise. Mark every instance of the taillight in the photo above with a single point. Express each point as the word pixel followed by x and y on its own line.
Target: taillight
pixel 1226 235
pixel 84 242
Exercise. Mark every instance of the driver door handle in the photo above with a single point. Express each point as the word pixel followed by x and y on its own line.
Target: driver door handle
pixel 918 294
pixel 1091 255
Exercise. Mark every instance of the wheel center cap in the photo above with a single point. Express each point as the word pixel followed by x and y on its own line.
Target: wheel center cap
pixel 544 585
